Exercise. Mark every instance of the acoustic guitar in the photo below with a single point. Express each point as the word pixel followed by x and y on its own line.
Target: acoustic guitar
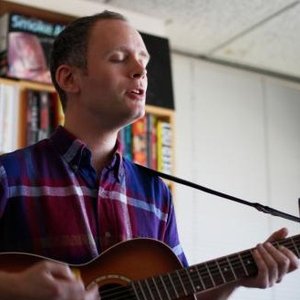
pixel 146 269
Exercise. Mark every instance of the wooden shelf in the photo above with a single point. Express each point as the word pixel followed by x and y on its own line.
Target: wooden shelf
pixel 26 84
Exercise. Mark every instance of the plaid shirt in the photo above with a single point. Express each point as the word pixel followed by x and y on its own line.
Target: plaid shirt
pixel 53 203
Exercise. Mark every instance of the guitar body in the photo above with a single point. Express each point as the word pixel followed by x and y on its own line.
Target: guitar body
pixel 125 262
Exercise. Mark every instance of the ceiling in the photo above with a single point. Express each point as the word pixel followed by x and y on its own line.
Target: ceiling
pixel 263 35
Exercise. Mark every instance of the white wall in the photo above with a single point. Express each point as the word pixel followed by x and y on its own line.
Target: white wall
pixel 236 132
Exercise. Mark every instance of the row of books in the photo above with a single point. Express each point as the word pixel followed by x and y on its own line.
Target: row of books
pixel 26 116
pixel 148 142
pixel 43 114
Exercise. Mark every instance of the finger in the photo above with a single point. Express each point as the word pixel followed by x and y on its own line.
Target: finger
pixel 294 262
pixel 262 277
pixel 281 260
pixel 271 267
pixel 58 270
pixel 277 235
pixel 93 293
pixel 70 290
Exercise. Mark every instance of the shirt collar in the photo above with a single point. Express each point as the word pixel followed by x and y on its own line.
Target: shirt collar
pixel 76 154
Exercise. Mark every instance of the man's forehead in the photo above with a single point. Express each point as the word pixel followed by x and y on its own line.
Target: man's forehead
pixel 116 34
pixel 111 27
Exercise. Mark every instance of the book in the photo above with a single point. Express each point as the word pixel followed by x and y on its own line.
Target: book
pixel 148 142
pixel 25 46
pixel 125 138
pixel 151 141
pixel 139 141
pixel 32 117
pixel 43 115
pixel 164 147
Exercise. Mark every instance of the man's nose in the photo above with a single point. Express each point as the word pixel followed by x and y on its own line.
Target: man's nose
pixel 138 71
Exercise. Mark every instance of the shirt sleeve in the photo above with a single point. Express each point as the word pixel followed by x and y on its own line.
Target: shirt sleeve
pixel 171 237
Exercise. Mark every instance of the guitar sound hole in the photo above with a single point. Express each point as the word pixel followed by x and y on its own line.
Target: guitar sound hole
pixel 115 291
pixel 108 288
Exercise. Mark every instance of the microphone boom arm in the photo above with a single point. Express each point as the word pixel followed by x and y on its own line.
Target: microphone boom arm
pixel 258 206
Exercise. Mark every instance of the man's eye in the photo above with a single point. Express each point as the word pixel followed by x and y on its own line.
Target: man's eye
pixel 117 58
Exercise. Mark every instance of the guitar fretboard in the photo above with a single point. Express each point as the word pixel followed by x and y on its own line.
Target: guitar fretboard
pixel 201 277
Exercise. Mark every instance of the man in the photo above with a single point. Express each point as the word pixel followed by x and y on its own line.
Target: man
pixel 72 196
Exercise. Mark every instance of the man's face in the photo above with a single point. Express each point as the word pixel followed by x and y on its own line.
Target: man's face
pixel 113 88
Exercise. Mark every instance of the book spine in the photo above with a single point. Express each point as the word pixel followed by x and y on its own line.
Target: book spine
pixel 128 142
pixel 164 147
pixel 3 44
pixel 3 32
pixel 16 118
pixel 44 128
pixel 32 117
pixel 139 142
pixel 151 141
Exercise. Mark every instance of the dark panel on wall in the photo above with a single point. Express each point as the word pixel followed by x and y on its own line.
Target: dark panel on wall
pixel 160 89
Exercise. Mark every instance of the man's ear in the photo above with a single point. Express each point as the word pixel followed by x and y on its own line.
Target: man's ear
pixel 67 79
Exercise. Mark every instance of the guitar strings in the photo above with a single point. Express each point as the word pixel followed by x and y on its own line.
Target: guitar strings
pixel 118 293
pixel 235 261
pixel 125 292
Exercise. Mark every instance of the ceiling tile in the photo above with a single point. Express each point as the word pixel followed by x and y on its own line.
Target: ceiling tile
pixel 273 46
pixel 232 30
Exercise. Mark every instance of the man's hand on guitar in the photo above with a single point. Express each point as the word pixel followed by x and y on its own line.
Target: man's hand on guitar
pixel 47 281
pixel 273 263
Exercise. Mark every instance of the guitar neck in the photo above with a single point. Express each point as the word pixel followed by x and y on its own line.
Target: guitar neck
pixel 201 277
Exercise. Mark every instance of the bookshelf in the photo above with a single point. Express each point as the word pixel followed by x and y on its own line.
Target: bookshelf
pixel 14 102
pixel 22 88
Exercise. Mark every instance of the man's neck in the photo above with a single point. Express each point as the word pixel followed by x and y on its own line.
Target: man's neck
pixel 101 143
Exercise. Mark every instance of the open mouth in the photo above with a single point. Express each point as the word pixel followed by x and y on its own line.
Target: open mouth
pixel 137 92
